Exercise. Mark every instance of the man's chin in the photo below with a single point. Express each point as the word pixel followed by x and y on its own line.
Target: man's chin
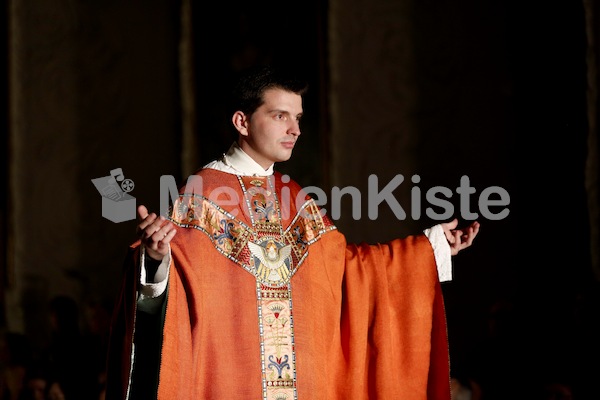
pixel 283 157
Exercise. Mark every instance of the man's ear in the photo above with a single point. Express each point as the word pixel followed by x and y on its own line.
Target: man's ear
pixel 240 122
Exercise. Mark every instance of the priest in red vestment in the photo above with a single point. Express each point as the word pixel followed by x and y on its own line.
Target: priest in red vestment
pixel 245 290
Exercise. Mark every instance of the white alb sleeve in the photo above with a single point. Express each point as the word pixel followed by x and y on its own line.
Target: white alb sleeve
pixel 441 251
pixel 152 291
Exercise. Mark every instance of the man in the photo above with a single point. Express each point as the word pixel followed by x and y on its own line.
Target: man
pixel 247 291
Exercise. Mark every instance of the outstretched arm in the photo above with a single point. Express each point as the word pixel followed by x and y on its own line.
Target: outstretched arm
pixel 460 239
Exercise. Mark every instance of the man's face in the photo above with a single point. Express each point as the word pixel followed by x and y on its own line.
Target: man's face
pixel 270 133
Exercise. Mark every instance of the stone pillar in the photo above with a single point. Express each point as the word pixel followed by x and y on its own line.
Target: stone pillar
pixel 372 96
pixel 93 87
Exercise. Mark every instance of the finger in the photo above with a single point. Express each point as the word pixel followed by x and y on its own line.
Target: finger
pixel 452 224
pixel 457 234
pixel 468 240
pixel 160 240
pixel 449 233
pixel 143 227
pixel 142 212
pixel 161 247
pixel 473 229
pixel 167 238
pixel 476 226
pixel 156 225
pixel 454 243
pixel 163 231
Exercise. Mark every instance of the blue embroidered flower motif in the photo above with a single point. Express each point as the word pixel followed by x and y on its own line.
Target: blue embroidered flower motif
pixel 279 364
pixel 264 208
pixel 227 226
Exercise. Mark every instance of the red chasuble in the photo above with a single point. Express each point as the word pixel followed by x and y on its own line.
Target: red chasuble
pixel 266 300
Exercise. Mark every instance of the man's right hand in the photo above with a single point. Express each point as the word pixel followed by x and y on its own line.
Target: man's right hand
pixel 155 233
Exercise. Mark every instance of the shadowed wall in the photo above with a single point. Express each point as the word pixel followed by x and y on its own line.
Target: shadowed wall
pixel 93 87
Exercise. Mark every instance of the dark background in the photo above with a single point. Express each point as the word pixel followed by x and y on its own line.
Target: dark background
pixel 502 98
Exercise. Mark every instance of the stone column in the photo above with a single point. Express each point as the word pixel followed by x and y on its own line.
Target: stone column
pixel 93 87
pixel 372 96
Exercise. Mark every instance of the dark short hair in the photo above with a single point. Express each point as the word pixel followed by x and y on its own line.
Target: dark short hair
pixel 250 85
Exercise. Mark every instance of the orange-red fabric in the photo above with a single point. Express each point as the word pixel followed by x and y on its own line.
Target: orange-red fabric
pixel 369 321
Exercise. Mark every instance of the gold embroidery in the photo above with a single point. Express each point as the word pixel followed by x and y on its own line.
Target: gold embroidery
pixel 272 255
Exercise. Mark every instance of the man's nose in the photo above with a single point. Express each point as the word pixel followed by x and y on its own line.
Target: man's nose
pixel 294 128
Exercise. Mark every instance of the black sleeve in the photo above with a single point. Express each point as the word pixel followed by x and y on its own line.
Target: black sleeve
pixel 147 340
pixel 151 266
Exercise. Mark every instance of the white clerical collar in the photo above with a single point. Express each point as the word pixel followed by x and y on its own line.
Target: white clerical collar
pixel 236 161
